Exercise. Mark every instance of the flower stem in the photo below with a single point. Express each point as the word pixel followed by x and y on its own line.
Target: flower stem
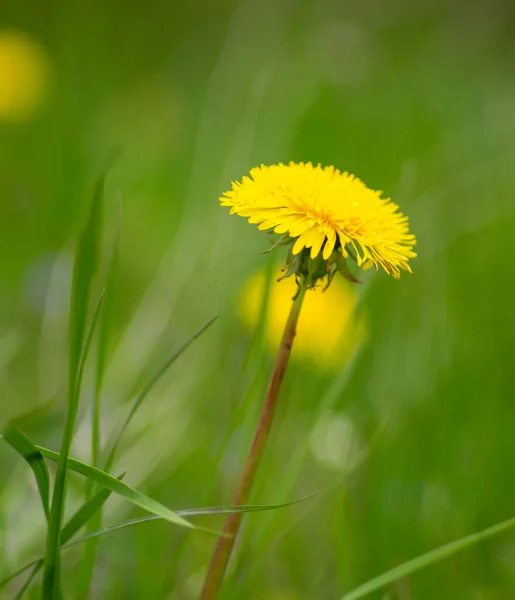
pixel 224 547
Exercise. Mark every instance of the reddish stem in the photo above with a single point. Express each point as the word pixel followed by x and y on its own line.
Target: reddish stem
pixel 224 547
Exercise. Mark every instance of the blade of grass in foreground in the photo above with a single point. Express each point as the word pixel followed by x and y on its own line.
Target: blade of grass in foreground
pixel 86 565
pixel 431 557
pixel 31 453
pixel 24 446
pixel 188 512
pixel 85 265
pixel 143 394
pixel 125 491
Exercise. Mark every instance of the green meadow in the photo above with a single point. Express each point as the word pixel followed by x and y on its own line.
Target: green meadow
pixel 130 297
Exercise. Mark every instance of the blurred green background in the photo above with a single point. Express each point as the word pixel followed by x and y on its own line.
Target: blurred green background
pixel 411 440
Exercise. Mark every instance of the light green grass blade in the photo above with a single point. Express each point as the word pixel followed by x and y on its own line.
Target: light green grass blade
pixel 426 560
pixel 85 265
pixel 72 526
pixel 85 512
pixel 125 491
pixel 143 394
pixel 188 512
pixel 24 446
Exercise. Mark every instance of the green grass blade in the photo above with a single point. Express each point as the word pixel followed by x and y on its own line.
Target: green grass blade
pixel 103 339
pixel 125 491
pixel 85 265
pixel 85 512
pixel 25 447
pixel 143 394
pixel 21 570
pixel 425 560
pixel 26 585
pixel 51 574
pixel 188 512
pixel 86 565
pixel 72 526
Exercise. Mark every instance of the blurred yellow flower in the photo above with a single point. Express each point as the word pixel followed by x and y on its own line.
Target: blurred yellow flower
pixel 24 74
pixel 328 330
pixel 322 207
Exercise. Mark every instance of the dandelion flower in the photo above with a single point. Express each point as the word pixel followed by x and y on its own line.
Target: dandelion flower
pixel 325 211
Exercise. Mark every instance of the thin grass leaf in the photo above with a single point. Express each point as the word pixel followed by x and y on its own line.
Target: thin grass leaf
pixel 85 265
pixel 125 491
pixel 72 526
pixel 51 576
pixel 26 585
pixel 143 394
pixel 103 338
pixel 188 512
pixel 21 570
pixel 425 560
pixel 85 512
pixel 86 565
pixel 26 448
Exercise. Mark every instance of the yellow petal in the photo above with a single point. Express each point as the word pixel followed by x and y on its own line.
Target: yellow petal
pixel 329 245
pixel 317 244
pixel 298 246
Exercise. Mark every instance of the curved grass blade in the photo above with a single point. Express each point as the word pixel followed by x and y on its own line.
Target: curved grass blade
pixel 26 448
pixel 159 373
pixel 431 557
pixel 188 512
pixel 125 491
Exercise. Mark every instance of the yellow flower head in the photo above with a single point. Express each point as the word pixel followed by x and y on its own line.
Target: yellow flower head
pixel 327 211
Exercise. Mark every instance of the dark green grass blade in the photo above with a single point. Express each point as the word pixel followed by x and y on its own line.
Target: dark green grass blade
pixel 425 560
pixel 125 491
pixel 86 565
pixel 143 394
pixel 85 265
pixel 25 447
pixel 188 512
pixel 73 525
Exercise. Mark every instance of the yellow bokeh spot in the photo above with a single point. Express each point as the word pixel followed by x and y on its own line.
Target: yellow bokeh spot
pixel 329 329
pixel 24 75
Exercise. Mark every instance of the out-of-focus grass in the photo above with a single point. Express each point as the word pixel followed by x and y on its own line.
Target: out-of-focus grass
pixel 411 445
